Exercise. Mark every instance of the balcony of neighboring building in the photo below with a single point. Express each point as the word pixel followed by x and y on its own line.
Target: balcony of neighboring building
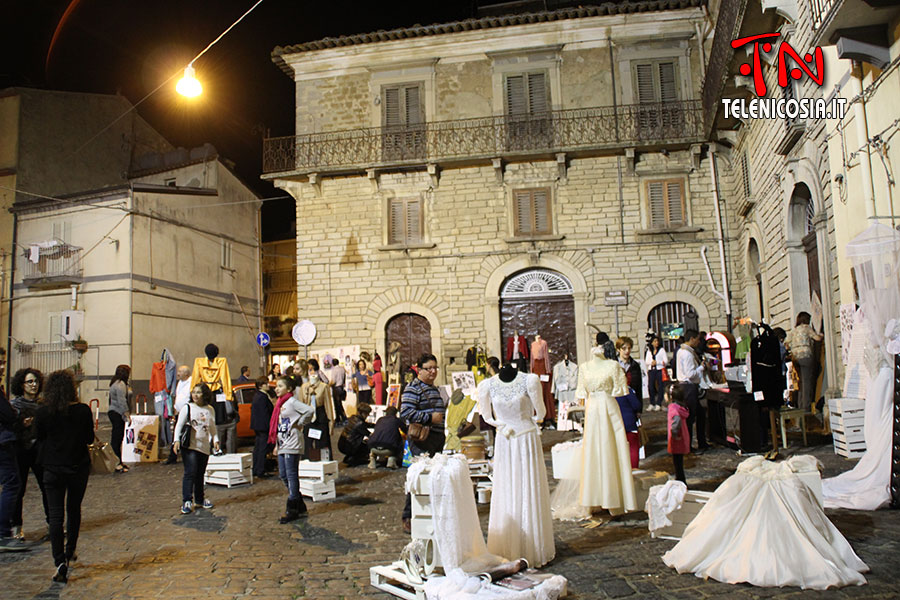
pixel 50 265
pixel 536 135
pixel 863 21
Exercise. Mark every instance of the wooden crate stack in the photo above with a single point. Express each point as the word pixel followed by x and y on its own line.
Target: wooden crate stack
pixel 317 479
pixel 848 416
pixel 229 469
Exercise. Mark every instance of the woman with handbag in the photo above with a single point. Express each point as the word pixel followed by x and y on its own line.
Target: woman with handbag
pixel 119 410
pixel 195 435
pixel 65 427
pixel 656 360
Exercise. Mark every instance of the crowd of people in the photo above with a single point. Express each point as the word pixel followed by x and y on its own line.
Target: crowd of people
pixel 297 414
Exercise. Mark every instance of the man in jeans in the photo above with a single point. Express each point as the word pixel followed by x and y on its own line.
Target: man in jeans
pixel 690 370
pixel 422 403
pixel 338 377
pixel 9 471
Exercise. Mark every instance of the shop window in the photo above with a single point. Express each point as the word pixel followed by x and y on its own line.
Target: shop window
pixel 666 203
pixel 532 215
pixel 405 221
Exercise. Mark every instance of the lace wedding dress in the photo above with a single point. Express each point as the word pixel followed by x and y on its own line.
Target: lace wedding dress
pixel 764 526
pixel 520 523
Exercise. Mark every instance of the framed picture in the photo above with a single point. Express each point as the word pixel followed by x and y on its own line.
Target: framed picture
pixel 464 380
pixel 393 395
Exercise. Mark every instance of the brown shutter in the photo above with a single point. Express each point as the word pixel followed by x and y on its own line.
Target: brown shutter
pixel 391 103
pixel 413 112
pixel 516 99
pixel 541 206
pixel 523 212
pixel 668 87
pixel 646 91
pixel 675 203
pixel 413 221
pixel 397 224
pixel 537 93
pixel 656 194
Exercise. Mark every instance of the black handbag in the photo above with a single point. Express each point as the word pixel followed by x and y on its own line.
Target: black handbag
pixel 185 437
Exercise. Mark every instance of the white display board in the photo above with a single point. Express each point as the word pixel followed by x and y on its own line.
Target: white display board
pixel 141 441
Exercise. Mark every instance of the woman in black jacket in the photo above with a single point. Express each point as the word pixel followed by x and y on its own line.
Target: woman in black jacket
pixel 260 416
pixel 65 427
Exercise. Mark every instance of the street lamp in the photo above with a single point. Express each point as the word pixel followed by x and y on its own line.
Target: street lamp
pixel 188 85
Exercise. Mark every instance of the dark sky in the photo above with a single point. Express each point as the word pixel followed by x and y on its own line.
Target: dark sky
pixel 132 46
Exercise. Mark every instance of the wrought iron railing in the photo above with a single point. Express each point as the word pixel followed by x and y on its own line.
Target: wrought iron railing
pixel 728 25
pixel 820 10
pixel 63 265
pixel 487 137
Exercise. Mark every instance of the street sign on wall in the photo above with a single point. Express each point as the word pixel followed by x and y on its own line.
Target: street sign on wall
pixel 615 298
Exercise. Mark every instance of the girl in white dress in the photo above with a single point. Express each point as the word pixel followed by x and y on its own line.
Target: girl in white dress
pixel 520 524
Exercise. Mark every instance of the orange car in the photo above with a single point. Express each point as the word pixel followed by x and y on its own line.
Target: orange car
pixel 243 395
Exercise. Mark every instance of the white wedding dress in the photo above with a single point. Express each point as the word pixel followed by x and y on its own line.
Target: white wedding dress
pixel 520 523
pixel 764 526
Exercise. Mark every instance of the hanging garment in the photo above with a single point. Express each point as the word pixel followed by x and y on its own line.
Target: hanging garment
pixel 764 526
pixel 765 366
pixel 563 382
pixel 457 414
pixel 516 347
pixel 213 373
pixel 520 522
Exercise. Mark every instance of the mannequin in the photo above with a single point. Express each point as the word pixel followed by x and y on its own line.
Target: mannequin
pixel 508 372
pixel 394 363
pixel 517 350
pixel 213 371
pixel 540 366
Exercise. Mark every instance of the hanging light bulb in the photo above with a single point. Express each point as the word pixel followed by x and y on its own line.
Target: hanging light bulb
pixel 188 85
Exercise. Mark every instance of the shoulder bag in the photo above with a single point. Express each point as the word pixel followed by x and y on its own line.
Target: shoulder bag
pixel 185 438
pixel 418 432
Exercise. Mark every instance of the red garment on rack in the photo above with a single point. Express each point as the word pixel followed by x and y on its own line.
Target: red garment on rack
pixel 510 344
pixel 158 377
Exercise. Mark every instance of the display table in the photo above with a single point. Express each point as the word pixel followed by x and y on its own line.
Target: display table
pixel 735 419
pixel 229 469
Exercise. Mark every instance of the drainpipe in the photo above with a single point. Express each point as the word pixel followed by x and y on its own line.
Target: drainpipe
pixel 862 136
pixel 12 282
pixel 726 293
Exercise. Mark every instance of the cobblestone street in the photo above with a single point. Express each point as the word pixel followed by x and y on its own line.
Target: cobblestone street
pixel 135 544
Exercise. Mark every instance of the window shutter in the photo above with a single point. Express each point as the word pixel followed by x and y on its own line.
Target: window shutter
pixel 413 221
pixel 675 203
pixel 523 212
pixel 397 224
pixel 668 87
pixel 516 101
pixel 541 211
pixel 745 174
pixel 413 112
pixel 537 93
pixel 656 194
pixel 646 91
pixel 391 103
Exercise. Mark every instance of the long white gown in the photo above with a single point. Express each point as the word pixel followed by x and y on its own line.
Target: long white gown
pixel 763 526
pixel 520 523
pixel 606 479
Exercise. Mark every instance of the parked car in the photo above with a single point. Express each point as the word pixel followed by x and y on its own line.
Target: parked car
pixel 243 394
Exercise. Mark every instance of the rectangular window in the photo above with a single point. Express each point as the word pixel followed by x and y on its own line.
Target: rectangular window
pixel 745 175
pixel 62 231
pixel 227 248
pixel 405 221
pixel 666 203
pixel 528 111
pixel 656 85
pixel 403 121
pixel 532 212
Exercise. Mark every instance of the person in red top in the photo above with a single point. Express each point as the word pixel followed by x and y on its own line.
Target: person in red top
pixel 679 440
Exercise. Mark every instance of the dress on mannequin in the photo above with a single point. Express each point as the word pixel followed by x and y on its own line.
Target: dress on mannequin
pixel 520 522
pixel 606 479
pixel 540 365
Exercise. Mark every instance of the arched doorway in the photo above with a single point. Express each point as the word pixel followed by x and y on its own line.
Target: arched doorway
pixel 539 302
pixel 806 282
pixel 413 333
pixel 668 316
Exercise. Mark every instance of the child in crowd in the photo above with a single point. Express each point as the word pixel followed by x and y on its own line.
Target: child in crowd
pixel 286 431
pixel 387 437
pixel 679 441
pixel 630 407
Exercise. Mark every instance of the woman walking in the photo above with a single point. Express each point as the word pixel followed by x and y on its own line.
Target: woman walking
pixel 26 386
pixel 119 411
pixel 199 417
pixel 64 428
pixel 286 431
pixel 656 361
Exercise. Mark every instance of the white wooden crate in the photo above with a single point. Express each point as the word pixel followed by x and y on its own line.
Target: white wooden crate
pixel 847 426
pixel 690 507
pixel 644 480
pixel 325 470
pixel 392 579
pixel 229 469
pixel 227 478
pixel 318 490
pixel 846 405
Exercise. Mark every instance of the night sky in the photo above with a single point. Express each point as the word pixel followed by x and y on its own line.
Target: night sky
pixel 132 46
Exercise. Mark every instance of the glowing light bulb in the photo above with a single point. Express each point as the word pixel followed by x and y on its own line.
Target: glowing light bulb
pixel 188 85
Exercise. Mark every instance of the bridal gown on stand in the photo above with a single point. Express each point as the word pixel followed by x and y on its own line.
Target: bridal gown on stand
pixel 520 523
pixel 606 480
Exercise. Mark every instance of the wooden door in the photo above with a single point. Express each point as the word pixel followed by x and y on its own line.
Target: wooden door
pixel 552 318
pixel 413 333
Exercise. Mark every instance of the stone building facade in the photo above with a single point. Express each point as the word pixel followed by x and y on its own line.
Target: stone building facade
pixel 496 175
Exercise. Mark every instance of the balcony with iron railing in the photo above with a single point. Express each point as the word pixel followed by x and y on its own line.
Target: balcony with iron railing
pixel 852 16
pixel 60 267
pixel 581 130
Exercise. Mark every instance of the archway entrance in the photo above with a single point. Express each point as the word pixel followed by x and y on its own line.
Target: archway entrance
pixel 413 333
pixel 539 302
pixel 668 317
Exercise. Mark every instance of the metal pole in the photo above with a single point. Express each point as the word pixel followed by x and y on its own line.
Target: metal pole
pixel 616 307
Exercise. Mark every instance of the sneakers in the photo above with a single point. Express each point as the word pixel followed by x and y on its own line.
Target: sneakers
pixel 392 462
pixel 207 504
pixel 373 461
pixel 187 508
pixel 11 544
pixel 62 574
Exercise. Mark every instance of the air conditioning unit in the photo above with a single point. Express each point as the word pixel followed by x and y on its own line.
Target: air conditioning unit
pixel 71 324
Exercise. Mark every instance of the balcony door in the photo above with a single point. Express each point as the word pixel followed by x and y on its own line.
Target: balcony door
pixel 528 120
pixel 403 120
pixel 658 113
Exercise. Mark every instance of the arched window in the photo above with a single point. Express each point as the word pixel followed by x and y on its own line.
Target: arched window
pixel 664 316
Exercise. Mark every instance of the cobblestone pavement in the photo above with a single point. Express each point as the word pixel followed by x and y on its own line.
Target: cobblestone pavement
pixel 135 544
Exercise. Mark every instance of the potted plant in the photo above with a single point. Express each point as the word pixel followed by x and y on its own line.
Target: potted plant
pixel 79 345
